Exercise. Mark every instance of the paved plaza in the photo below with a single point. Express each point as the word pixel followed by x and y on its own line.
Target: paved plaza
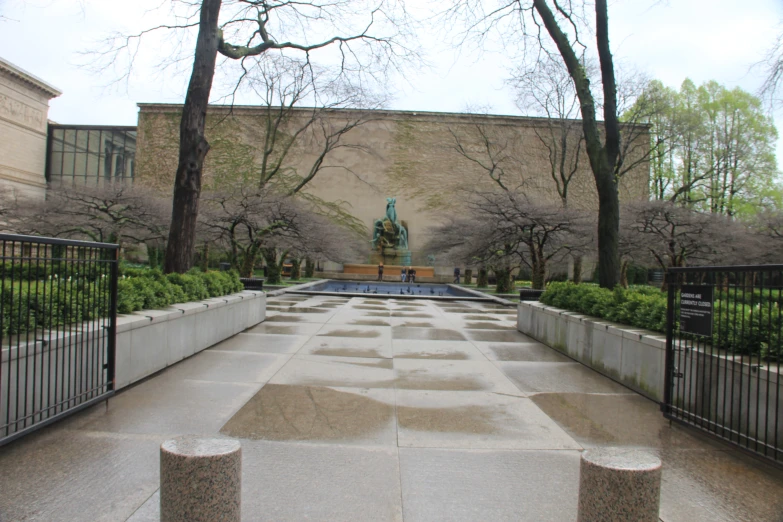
pixel 370 410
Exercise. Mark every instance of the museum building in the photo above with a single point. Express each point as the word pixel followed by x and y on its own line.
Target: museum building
pixel 426 160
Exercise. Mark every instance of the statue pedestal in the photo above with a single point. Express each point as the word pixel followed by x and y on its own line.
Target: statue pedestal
pixel 391 256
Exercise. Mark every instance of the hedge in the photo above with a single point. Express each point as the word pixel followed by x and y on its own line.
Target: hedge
pixel 57 301
pixel 643 307
pixel 750 325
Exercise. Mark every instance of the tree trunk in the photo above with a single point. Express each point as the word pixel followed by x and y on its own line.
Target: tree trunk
pixel 309 268
pixel 624 273
pixel 272 271
pixel 193 147
pixel 249 261
pixel 481 279
pixel 603 156
pixel 468 276
pixel 503 280
pixel 577 269
pixel 296 266
pixel 205 257
pixel 608 231
pixel 538 275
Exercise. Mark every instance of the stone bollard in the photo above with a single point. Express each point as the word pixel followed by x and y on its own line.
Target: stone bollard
pixel 619 484
pixel 200 480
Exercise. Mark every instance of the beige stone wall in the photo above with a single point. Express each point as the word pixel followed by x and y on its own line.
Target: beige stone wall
pixel 24 109
pixel 408 155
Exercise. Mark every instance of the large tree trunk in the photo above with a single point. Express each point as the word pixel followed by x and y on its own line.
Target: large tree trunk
pixel 577 269
pixel 249 261
pixel 309 268
pixel 503 280
pixel 296 265
pixel 481 279
pixel 272 271
pixel 193 147
pixel 608 231
pixel 538 274
pixel 603 156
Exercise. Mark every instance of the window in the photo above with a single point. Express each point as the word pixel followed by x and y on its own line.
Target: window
pixel 82 155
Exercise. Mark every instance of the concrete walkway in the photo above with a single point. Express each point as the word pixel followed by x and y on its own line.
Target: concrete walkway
pixel 368 409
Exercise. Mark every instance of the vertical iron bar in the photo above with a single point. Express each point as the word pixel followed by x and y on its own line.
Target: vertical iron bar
pixel 777 357
pixel 111 356
pixel 669 365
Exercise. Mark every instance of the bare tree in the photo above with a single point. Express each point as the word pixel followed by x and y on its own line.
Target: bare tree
pixel 367 37
pixel 114 213
pixel 504 230
pixel 527 22
pixel 255 223
pixel 671 235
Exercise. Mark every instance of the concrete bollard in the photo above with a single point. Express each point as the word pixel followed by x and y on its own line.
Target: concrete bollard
pixel 619 484
pixel 200 480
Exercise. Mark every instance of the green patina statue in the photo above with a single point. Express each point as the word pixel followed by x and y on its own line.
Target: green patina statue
pixel 388 232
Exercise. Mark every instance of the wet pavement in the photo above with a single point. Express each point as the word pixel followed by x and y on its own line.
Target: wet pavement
pixel 367 409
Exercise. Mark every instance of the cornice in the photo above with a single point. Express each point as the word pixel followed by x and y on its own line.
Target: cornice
pixel 28 79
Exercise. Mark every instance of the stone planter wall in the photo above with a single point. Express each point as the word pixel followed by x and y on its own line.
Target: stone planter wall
pixel 150 340
pixel 631 356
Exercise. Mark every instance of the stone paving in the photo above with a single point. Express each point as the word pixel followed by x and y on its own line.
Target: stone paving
pixel 369 409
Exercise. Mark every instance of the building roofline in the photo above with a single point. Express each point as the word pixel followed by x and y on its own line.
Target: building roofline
pixel 29 79
pixel 386 112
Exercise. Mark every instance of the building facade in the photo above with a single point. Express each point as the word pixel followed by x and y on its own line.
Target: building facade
pixel 429 161
pixel 24 112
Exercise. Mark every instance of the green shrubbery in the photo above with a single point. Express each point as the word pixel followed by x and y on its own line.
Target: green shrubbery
pixel 643 307
pixel 140 289
pixel 61 299
pixel 751 324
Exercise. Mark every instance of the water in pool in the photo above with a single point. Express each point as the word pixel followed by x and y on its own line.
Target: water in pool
pixel 390 289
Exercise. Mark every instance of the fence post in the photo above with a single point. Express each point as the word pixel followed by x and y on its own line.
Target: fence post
pixel 200 480
pixel 669 358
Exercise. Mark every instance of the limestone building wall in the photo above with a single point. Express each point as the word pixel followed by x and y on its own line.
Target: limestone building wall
pixel 24 110
pixel 408 155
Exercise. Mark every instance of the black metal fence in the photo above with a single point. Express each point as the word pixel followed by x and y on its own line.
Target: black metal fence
pixel 723 352
pixel 58 319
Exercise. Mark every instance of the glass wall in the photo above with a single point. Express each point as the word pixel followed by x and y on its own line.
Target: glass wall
pixel 84 155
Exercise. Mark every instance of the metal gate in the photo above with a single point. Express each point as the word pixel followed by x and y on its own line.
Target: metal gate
pixel 58 321
pixel 723 351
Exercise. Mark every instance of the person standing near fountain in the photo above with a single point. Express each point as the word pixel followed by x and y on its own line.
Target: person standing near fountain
pixel 380 271
pixel 404 274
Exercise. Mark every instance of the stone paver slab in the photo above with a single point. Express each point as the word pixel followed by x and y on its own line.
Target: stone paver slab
pixel 452 350
pixel 316 414
pixel 351 372
pixel 469 485
pixel 534 377
pixel 436 419
pixel 262 343
pixel 525 351
pixel 422 374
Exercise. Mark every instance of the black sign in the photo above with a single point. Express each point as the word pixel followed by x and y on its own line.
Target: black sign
pixel 696 310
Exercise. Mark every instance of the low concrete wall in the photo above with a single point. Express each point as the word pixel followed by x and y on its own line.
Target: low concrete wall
pixel 723 389
pixel 631 356
pixel 150 340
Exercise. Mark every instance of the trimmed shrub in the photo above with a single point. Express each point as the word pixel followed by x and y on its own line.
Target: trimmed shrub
pixel 738 327
pixel 57 301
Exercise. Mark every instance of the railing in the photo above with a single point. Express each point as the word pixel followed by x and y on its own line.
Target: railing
pixel 723 351
pixel 58 315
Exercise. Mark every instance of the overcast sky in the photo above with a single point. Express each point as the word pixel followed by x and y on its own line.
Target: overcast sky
pixel 669 40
